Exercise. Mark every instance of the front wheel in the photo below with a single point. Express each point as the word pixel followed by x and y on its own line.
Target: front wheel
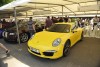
pixel 66 49
pixel 24 37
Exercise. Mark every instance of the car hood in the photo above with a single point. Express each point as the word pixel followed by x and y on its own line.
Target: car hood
pixel 44 38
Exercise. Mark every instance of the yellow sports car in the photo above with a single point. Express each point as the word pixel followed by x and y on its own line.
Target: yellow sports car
pixel 56 41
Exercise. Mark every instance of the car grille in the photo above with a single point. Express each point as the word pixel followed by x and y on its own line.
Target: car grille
pixel 8 34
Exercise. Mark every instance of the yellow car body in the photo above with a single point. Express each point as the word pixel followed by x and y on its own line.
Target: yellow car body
pixel 41 44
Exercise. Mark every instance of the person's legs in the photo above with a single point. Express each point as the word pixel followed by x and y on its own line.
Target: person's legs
pixel 31 32
pixel 3 47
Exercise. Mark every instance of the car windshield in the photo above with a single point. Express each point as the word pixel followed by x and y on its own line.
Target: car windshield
pixel 61 28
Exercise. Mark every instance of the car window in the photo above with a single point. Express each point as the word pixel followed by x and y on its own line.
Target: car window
pixel 61 28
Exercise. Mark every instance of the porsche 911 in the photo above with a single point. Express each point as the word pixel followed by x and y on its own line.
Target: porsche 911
pixel 55 41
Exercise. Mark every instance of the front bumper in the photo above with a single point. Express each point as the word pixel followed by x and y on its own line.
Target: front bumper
pixel 8 37
pixel 56 53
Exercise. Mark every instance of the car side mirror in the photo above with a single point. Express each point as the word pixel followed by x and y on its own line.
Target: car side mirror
pixel 73 31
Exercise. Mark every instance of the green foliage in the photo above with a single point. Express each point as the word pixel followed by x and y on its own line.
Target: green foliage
pixel 3 2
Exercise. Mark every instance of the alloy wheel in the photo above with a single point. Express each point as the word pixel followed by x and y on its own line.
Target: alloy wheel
pixel 24 37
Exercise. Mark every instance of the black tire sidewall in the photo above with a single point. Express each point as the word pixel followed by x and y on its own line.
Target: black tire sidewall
pixel 81 36
pixel 21 38
pixel 68 50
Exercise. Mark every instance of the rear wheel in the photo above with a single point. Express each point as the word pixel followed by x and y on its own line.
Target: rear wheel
pixel 66 49
pixel 81 37
pixel 24 37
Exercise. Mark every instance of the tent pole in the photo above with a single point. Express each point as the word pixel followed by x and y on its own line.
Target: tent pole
pixel 16 25
pixel 62 10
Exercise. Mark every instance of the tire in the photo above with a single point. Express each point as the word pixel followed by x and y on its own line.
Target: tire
pixel 66 49
pixel 24 37
pixel 81 37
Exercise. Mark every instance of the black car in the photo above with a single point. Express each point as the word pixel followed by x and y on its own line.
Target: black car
pixel 10 34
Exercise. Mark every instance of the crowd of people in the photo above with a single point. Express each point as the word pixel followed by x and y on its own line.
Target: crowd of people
pixel 48 22
pixel 80 22
pixel 91 26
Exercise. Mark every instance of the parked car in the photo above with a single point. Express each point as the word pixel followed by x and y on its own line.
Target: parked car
pixel 56 41
pixel 10 34
pixel 4 26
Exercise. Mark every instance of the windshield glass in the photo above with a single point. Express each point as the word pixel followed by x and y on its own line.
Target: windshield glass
pixel 61 28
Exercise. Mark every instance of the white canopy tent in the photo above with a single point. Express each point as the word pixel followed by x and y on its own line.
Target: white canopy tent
pixel 40 8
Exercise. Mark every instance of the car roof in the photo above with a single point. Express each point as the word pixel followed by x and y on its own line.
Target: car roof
pixel 70 23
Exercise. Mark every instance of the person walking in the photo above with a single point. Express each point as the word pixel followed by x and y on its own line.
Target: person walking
pixel 31 26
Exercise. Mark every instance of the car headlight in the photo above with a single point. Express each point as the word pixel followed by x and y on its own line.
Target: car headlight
pixel 31 37
pixel 56 42
pixel 3 33
pixel 33 49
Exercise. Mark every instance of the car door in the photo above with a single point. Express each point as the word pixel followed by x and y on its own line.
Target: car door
pixel 74 34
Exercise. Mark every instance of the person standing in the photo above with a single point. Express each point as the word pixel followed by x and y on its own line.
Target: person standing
pixel 95 21
pixel 66 19
pixel 31 26
pixel 48 22
pixel 61 19
pixel 54 20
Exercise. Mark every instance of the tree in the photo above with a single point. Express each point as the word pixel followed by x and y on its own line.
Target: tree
pixel 3 2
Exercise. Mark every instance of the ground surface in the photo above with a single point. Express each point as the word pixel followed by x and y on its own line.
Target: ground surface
pixel 84 54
